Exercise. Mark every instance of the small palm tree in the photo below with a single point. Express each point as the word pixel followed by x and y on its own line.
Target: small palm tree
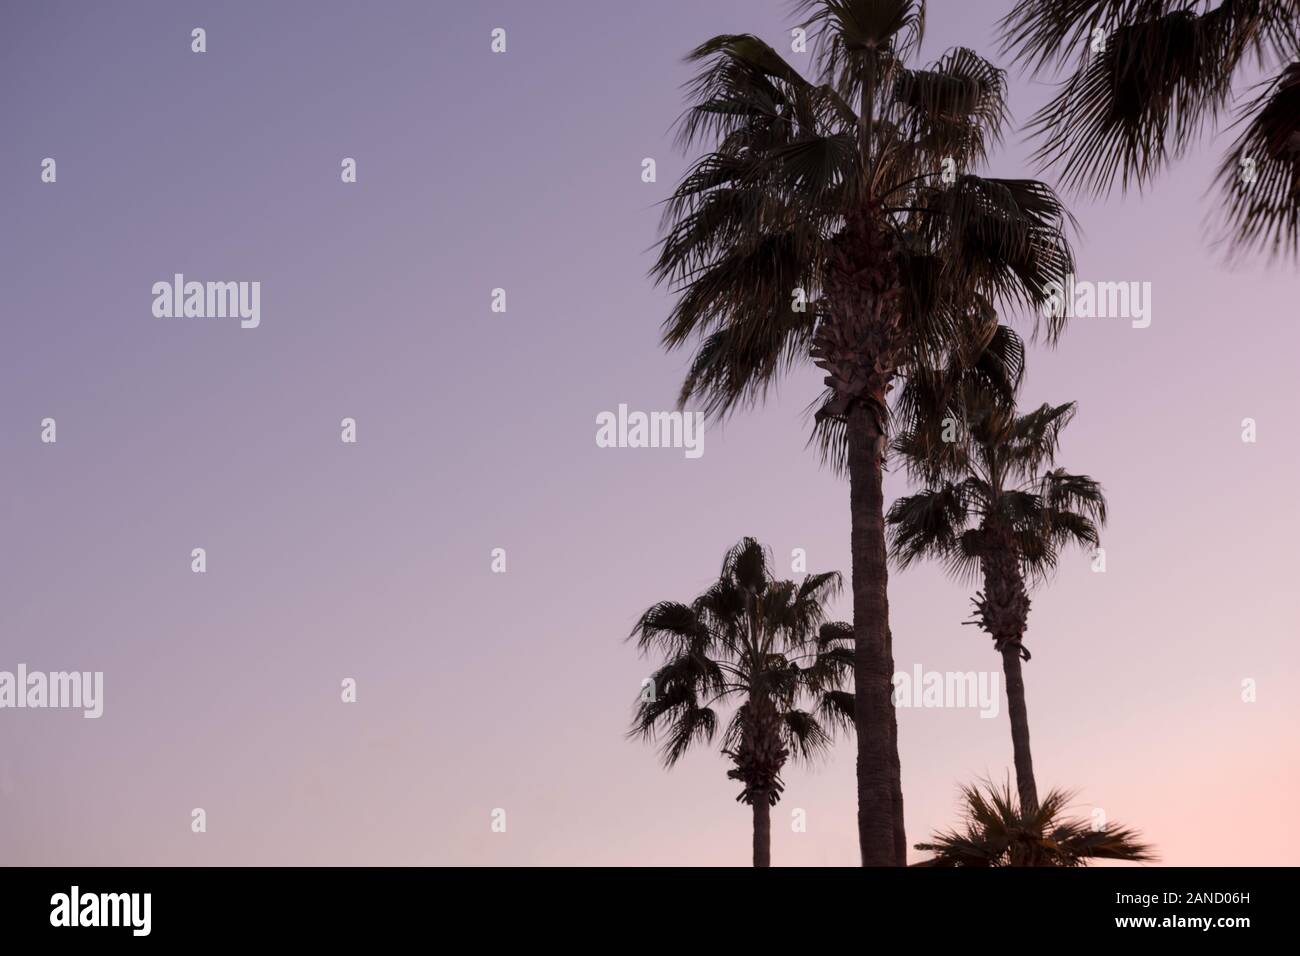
pixel 763 645
pixel 997 832
pixel 995 507
pixel 1146 79
pixel 838 218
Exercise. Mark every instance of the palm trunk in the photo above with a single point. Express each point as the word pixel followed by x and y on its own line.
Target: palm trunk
pixel 759 760
pixel 900 833
pixel 879 827
pixel 1025 784
pixel 1003 611
pixel 762 830
pixel 860 350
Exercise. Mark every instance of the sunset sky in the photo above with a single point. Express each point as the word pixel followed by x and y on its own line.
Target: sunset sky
pixel 476 430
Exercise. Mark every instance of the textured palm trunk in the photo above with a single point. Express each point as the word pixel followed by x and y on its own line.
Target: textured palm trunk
pixel 1025 784
pixel 758 762
pixel 1003 611
pixel 879 825
pixel 859 347
pixel 900 832
pixel 762 830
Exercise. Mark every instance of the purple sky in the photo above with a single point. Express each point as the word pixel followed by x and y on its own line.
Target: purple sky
pixel 476 431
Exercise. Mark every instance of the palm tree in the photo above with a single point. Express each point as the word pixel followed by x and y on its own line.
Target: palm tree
pixel 837 219
pixel 997 832
pixel 763 644
pixel 1146 78
pixel 995 506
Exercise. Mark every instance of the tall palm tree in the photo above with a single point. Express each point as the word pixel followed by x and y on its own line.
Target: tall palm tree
pixel 763 644
pixel 1144 80
pixel 995 506
pixel 838 219
pixel 997 832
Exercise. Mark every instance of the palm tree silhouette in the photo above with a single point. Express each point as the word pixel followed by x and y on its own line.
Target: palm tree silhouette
pixel 763 644
pixel 995 507
pixel 997 832
pixel 838 219
pixel 1146 79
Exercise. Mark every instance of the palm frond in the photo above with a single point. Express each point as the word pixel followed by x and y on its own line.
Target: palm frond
pixel 804 735
pixel 858 38
pixel 955 109
pixel 1004 239
pixel 996 832
pixel 1147 78
pixel 1259 179
pixel 926 524
pixel 668 626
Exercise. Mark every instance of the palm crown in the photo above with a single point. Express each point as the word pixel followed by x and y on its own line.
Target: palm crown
pixel 763 645
pixel 755 640
pixel 998 832
pixel 815 190
pixel 994 489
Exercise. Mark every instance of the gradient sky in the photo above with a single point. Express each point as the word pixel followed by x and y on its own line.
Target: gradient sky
pixel 476 431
